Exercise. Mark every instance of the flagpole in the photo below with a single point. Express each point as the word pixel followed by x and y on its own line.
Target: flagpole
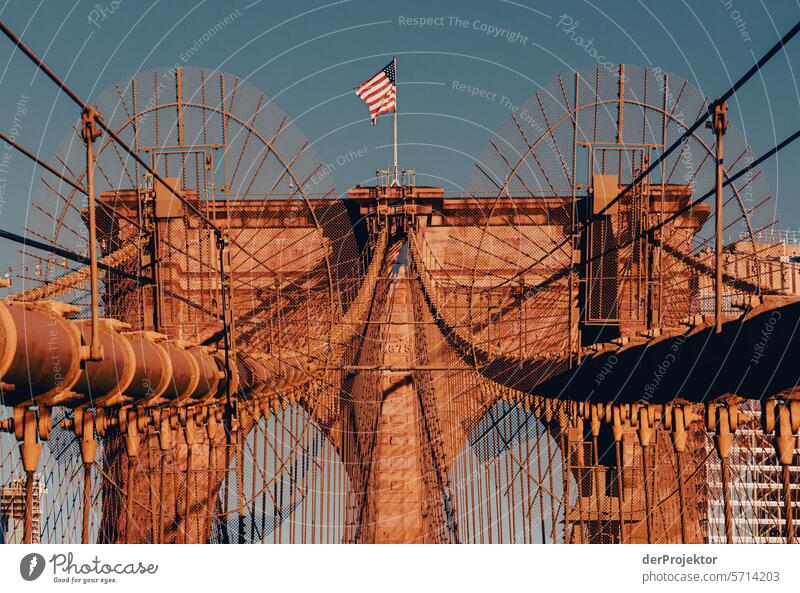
pixel 396 178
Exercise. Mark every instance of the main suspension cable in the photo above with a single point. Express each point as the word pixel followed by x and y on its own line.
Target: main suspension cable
pixel 693 128
pixel 114 136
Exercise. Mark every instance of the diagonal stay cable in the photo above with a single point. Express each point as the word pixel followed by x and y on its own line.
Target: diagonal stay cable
pixel 62 85
pixel 82 259
pixel 689 131
pixel 693 128
pixel 681 211
pixel 42 163
pixel 83 105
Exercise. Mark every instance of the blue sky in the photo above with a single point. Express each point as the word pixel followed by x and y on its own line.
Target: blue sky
pixel 308 55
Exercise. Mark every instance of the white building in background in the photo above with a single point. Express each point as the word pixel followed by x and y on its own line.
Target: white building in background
pixel 756 483
pixel 756 478
pixel 12 511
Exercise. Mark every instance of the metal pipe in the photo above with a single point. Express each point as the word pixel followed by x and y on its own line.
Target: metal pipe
pixel 129 501
pixel 35 334
pixel 726 494
pixel 90 133
pixel 681 496
pixel 188 505
pixel 787 501
pixel 226 323
pixel 240 483
pixel 27 534
pixel 601 523
pixel 719 123
pixel 212 475
pixel 152 374
pixel 164 444
pixel 565 464
pixel 161 483
pixel 84 423
pixel 647 501
pixel 130 424
pixel 106 382
pixel 224 535
pixel 185 372
pixel 620 491
pixel 724 419
pixel 87 500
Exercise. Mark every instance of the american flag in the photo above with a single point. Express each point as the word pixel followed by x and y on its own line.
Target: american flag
pixel 379 92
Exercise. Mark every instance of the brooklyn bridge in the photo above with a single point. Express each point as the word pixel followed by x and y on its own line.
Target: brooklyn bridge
pixel 205 342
